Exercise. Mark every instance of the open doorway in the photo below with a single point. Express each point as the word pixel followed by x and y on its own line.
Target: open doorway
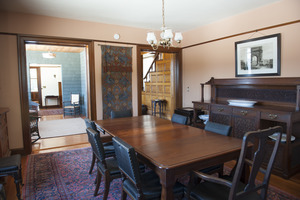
pixel 46 85
pixel 158 94
pixel 57 75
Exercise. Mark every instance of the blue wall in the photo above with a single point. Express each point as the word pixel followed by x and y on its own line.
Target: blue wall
pixel 73 75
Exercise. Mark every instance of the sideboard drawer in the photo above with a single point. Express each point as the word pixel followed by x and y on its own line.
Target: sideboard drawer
pixel 275 116
pixel 201 106
pixel 244 112
pixel 221 109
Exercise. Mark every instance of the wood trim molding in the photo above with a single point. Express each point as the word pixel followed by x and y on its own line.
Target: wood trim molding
pixel 22 40
pixel 243 33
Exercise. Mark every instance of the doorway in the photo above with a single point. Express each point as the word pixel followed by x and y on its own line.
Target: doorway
pixel 46 85
pixel 48 100
pixel 167 76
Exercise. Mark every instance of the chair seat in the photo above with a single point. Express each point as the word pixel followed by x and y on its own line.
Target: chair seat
pixel 151 186
pixel 212 191
pixel 112 166
pixel 10 164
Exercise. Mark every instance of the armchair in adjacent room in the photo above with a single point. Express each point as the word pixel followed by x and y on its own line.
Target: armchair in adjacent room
pixel 72 107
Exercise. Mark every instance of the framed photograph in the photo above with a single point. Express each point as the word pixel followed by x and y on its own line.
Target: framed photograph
pixel 258 56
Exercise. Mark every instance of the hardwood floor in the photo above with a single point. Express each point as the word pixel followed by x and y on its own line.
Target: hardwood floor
pixel 291 186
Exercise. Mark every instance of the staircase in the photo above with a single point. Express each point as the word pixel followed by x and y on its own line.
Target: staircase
pixel 158 84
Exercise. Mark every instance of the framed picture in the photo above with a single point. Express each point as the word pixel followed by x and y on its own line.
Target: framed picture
pixel 258 56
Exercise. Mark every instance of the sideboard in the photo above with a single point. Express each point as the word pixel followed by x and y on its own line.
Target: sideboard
pixel 4 145
pixel 278 101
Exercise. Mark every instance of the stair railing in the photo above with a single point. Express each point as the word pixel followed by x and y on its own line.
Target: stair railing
pixel 147 76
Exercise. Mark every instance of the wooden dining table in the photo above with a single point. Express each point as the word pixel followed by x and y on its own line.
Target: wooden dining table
pixel 170 149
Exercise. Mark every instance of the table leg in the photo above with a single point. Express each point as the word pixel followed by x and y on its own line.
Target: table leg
pixel 159 104
pixel 167 182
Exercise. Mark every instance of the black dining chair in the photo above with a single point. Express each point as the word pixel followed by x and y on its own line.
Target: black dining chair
pixel 108 146
pixel 222 130
pixel 106 167
pixel 180 119
pixel 135 184
pixel 230 187
pixel 120 114
pixel 11 166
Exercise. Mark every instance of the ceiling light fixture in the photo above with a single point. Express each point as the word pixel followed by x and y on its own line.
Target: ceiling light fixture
pixel 166 35
pixel 49 54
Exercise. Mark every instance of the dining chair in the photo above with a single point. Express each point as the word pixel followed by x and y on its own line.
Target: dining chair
pixel 230 187
pixel 180 119
pixel 222 130
pixel 135 184
pixel 218 128
pixel 109 149
pixel 106 167
pixel 11 166
pixel 120 114
pixel 72 107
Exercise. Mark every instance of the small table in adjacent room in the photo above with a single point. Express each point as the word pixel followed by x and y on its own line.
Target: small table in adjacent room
pixel 52 97
pixel 161 103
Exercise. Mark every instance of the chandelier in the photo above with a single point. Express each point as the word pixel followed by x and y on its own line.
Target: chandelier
pixel 166 35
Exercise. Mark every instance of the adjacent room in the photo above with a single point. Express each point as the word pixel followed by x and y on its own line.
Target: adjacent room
pixel 163 99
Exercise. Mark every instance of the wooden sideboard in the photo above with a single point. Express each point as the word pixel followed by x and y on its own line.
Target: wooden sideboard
pixel 4 145
pixel 277 104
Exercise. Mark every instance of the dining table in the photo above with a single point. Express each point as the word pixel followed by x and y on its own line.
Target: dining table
pixel 172 150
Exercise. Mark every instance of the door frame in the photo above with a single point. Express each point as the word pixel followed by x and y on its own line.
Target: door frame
pixel 177 73
pixel 25 39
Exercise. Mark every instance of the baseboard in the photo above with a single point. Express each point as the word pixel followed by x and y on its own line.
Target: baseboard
pixel 18 151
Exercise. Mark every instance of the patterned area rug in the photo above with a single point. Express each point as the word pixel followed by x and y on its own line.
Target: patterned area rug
pixel 64 175
pixel 44 112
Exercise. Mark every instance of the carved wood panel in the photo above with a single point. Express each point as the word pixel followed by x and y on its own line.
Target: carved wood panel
pixel 219 118
pixel 258 94
pixel 242 126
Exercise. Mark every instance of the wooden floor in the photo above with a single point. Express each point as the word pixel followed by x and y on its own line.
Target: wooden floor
pixel 291 186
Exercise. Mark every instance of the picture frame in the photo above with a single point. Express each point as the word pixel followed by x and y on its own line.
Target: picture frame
pixel 258 56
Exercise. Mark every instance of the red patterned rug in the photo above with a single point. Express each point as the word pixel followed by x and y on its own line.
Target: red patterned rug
pixel 64 175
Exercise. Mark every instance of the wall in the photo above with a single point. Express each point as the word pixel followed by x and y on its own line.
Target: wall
pixel 83 78
pixel 217 59
pixel 51 26
pixel 9 89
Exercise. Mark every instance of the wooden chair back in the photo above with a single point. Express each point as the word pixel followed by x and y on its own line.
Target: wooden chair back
pixel 261 138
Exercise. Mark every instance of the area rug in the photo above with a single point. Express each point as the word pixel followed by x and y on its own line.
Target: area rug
pixel 44 112
pixel 64 176
pixel 62 127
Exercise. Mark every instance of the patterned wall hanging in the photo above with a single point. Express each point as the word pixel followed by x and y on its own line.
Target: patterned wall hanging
pixel 116 79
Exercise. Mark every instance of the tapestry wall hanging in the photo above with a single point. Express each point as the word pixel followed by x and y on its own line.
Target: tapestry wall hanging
pixel 116 79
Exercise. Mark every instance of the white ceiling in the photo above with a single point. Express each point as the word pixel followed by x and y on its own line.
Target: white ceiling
pixel 181 15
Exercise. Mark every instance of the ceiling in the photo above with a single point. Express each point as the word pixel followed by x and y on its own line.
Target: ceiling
pixel 180 15
pixel 53 48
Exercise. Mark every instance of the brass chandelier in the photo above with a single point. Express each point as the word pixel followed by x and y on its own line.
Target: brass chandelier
pixel 166 36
